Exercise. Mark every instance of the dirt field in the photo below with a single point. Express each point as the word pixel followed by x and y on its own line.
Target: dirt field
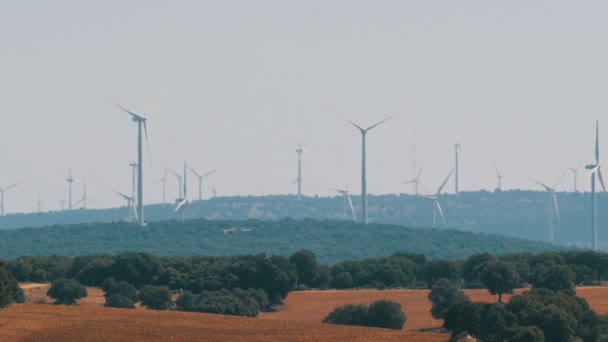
pixel 297 320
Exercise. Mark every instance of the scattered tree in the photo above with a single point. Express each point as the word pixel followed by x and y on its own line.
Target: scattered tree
pixel 8 287
pixel 443 295
pixel 155 297
pixel 66 291
pixel 499 277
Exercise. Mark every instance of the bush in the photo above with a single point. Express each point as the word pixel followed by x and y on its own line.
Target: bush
pixel 19 296
pixel 66 291
pixel 380 314
pixel 155 297
pixel 386 314
pixel 526 334
pixel 8 287
pixel 224 304
pixel 111 287
pixel 186 301
pixel 119 301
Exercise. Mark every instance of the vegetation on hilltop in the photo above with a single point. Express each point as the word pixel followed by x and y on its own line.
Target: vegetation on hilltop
pixel 331 241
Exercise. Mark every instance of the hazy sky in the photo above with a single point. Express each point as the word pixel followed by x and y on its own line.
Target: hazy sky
pixel 233 85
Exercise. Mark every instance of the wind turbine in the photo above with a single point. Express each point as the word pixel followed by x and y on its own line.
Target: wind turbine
pixel 415 181
pixel 553 206
pixel 595 169
pixel 141 123
pixel 499 176
pixel 183 202
pixel 214 192
pixel 436 206
pixel 575 174
pixel 130 206
pixel 164 181
pixel 179 182
pixel 348 203
pixel 364 132
pixel 299 151
pixel 70 181
pixel 133 180
pixel 200 180
pixel 2 191
pixel 39 203
pixel 85 197
pixel 457 149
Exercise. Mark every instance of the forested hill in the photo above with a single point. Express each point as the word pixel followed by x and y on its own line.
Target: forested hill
pixel 331 241
pixel 521 214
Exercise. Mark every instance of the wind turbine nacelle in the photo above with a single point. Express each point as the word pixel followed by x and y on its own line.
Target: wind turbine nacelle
pixel 590 166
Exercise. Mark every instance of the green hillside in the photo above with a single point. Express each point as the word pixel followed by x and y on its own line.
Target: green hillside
pixel 331 241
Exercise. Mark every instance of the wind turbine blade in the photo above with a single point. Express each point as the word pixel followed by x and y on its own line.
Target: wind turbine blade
pixel 599 176
pixel 11 186
pixel 193 171
pixel 147 140
pixel 445 182
pixel 439 210
pixel 352 208
pixel 556 206
pixel 210 173
pixel 541 184
pixel 497 172
pixel 70 173
pixel 343 117
pixel 128 111
pixel 560 178
pixel 419 173
pixel 181 204
pixel 381 122
pixel 176 174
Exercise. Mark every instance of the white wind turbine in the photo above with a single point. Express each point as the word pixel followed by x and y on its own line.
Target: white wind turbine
pixel 71 180
pixel 141 126
pixel 499 177
pixel 348 203
pixel 39 203
pixel 595 169
pixel 415 181
pixel 164 181
pixel 2 191
pixel 130 205
pixel 200 180
pixel 553 207
pixel 575 175
pixel 179 183
pixel 299 151
pixel 364 132
pixel 457 149
pixel 85 198
pixel 436 206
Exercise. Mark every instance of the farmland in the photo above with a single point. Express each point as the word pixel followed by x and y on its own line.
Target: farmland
pixel 297 320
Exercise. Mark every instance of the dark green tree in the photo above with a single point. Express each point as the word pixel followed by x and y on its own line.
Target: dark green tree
pixel 471 269
pixel 443 295
pixel 155 297
pixel 499 277
pixel 386 314
pixel 8 287
pixel 119 301
pixel 66 291
pixel 555 278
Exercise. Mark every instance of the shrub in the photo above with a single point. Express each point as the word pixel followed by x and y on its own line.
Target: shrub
pixel 19 296
pixel 66 291
pixel 186 301
pixel 526 334
pixel 111 287
pixel 224 304
pixel 119 301
pixel 155 297
pixel 380 314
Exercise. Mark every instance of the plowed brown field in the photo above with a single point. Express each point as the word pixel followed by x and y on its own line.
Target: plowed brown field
pixel 297 320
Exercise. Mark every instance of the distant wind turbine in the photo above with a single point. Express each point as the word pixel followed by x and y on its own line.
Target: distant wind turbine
pixel 200 180
pixel 299 151
pixel 595 169
pixel 164 181
pixel 141 124
pixel 130 204
pixel 436 206
pixel 214 192
pixel 348 203
pixel 553 207
pixel 499 176
pixel 364 132
pixel 70 181
pixel 39 203
pixel 85 198
pixel 179 182
pixel 2 191
pixel 415 181
pixel 134 171
pixel 457 149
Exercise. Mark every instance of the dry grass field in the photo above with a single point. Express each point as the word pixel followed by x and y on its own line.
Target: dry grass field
pixel 297 320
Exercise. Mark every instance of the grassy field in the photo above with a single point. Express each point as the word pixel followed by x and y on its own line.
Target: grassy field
pixel 299 319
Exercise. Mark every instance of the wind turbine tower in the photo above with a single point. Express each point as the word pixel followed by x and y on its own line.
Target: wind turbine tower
pixel 575 175
pixel 499 177
pixel 70 181
pixel 457 149
pixel 164 181
pixel 2 191
pixel 133 180
pixel 200 180
pixel 183 202
pixel 141 128
pixel 436 206
pixel 299 151
pixel 595 169
pixel 364 132
pixel 348 203
pixel 553 207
